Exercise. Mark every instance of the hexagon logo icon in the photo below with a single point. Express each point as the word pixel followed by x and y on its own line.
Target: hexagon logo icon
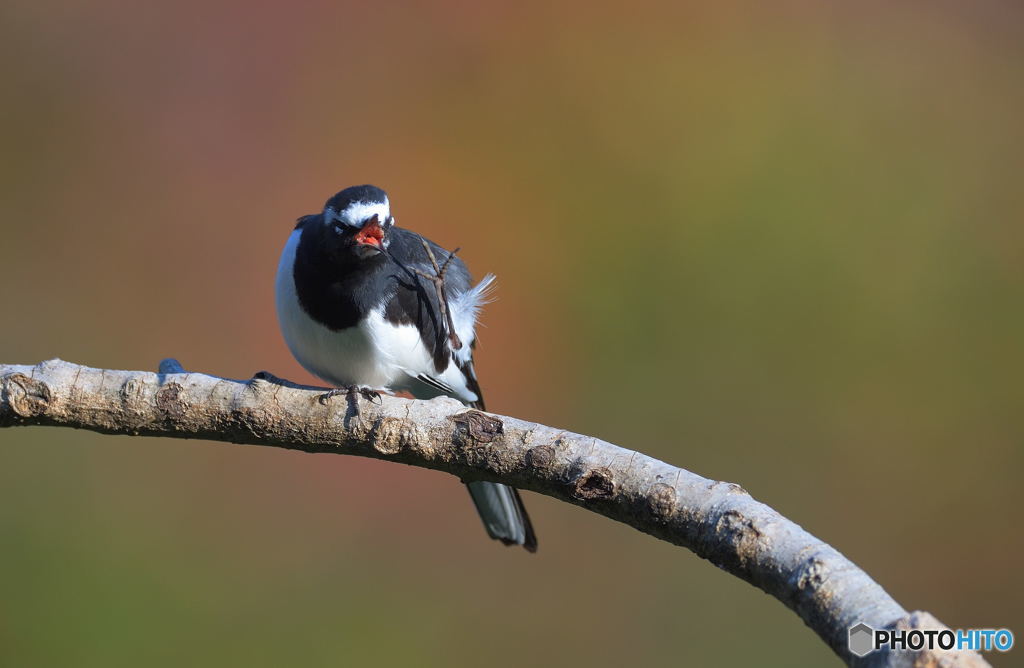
pixel 862 639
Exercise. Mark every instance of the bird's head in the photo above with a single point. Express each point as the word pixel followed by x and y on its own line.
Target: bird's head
pixel 358 220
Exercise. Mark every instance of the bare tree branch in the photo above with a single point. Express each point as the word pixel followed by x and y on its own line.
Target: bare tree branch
pixel 718 521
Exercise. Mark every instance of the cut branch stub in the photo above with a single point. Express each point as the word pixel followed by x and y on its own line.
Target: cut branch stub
pixel 26 397
pixel 594 484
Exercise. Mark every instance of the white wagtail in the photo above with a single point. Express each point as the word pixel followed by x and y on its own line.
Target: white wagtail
pixel 367 305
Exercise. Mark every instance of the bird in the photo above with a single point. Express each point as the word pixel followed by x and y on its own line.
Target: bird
pixel 368 307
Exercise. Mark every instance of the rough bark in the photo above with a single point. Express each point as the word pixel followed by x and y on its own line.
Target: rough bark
pixel 718 521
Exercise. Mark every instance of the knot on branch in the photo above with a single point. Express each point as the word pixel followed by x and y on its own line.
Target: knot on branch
pixel 594 484
pixel 169 401
pixel 737 541
pixel 389 435
pixel 661 501
pixel 474 427
pixel 540 457
pixel 26 396
pixel 472 436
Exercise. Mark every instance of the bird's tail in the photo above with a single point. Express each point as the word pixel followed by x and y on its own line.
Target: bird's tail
pixel 503 514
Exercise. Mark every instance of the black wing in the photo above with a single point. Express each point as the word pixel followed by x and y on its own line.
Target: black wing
pixel 414 299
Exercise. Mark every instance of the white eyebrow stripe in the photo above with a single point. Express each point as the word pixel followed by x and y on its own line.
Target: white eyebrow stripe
pixel 358 212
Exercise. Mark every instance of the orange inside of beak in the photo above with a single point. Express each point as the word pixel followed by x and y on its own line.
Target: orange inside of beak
pixel 371 234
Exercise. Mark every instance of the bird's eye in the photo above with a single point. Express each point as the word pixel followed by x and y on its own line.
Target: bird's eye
pixel 390 221
pixel 338 229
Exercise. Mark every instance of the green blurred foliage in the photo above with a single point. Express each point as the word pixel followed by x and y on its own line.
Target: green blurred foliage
pixel 776 243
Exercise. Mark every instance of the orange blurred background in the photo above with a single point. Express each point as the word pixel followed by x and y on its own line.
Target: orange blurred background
pixel 778 244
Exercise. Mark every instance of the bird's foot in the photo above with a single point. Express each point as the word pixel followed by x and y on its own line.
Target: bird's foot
pixel 371 395
pixel 352 393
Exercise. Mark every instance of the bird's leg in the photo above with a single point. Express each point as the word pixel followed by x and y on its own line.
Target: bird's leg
pixel 352 393
pixel 442 296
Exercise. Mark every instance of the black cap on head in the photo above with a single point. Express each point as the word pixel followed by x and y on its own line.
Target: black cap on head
pixel 355 194
pixel 354 206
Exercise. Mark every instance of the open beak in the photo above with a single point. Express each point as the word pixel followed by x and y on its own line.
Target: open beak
pixel 371 234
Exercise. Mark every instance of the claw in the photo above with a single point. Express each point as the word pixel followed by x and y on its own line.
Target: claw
pixel 373 396
pixel 338 391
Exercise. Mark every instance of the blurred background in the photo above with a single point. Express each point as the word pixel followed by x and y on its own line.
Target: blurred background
pixel 778 244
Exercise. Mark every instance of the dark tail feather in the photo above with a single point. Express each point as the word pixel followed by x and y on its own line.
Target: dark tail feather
pixel 503 514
